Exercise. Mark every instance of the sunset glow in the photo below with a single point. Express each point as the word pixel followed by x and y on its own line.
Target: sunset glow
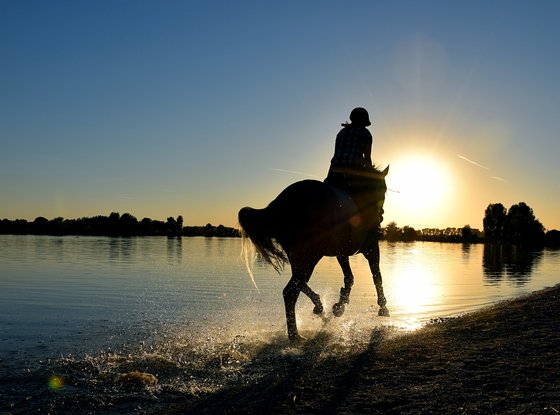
pixel 420 188
pixel 189 119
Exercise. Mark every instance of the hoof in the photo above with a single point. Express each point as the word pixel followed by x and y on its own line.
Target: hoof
pixel 318 309
pixel 338 309
pixel 383 312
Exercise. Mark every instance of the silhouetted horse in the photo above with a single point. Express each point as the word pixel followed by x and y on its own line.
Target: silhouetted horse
pixel 311 219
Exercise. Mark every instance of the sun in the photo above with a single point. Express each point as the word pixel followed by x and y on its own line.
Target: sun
pixel 419 189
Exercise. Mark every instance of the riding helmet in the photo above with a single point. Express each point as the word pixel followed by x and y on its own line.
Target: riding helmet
pixel 360 117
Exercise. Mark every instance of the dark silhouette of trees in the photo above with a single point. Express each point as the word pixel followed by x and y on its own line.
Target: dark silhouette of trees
pixel 113 225
pixel 209 230
pixel 466 233
pixel 409 234
pixel 392 232
pixel 41 224
pixel 518 225
pixel 552 238
pixel 171 226
pixel 175 226
pixel 128 225
pixel 494 222
pixel 522 226
pixel 469 235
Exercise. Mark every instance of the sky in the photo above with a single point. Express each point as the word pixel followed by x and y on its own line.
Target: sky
pixel 197 109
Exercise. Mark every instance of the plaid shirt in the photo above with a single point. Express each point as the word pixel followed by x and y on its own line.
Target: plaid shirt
pixel 350 146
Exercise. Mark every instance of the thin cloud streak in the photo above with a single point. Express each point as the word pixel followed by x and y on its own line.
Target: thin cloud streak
pixel 299 173
pixel 497 178
pixel 472 162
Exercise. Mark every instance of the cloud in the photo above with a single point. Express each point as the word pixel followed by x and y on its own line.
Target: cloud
pixel 497 178
pixel 299 173
pixel 472 162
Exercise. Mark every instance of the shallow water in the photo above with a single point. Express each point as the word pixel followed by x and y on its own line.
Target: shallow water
pixel 80 315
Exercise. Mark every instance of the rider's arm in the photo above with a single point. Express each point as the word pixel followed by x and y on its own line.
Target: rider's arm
pixel 367 154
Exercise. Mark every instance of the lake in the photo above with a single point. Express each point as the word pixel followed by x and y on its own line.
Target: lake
pixel 79 313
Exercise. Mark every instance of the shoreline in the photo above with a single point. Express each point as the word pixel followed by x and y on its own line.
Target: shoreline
pixel 500 359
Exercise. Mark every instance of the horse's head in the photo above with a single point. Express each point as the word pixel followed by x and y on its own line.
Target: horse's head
pixel 379 180
pixel 380 190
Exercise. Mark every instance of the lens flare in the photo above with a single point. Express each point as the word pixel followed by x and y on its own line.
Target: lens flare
pixel 55 382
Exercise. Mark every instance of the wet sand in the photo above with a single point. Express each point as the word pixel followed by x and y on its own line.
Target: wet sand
pixel 501 360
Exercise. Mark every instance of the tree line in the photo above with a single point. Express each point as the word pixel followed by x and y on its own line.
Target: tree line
pixel 113 225
pixel 516 225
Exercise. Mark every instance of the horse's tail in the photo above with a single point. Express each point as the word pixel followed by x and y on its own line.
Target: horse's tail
pixel 256 226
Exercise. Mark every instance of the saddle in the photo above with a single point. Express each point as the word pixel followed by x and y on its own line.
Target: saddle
pixel 362 187
pixel 361 207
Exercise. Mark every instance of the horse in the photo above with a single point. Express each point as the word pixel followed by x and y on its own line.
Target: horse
pixel 311 219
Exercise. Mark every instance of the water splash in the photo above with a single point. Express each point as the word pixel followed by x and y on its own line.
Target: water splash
pixel 183 364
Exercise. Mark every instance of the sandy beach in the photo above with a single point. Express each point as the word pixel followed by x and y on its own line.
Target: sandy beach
pixel 500 360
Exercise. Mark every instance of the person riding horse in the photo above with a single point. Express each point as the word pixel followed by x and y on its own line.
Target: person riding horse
pixel 351 167
pixel 311 219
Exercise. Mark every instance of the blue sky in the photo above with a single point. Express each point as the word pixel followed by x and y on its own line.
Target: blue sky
pixel 200 108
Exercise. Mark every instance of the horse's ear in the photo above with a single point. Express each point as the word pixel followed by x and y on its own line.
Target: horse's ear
pixel 386 171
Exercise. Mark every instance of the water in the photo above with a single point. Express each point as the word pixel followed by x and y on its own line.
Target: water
pixel 83 318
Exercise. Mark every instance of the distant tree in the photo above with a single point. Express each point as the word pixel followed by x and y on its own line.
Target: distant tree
pixel 552 238
pixel 467 234
pixel 147 227
pixel 430 234
pixel 173 226
pixel 15 227
pixel 40 225
pixel 113 224
pixel 409 234
pixel 521 225
pixel 179 225
pixel 56 226
pixel 128 225
pixel 494 221
pixel 392 232
pixel 208 230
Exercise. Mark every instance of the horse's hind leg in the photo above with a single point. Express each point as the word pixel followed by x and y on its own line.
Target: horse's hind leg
pixel 301 272
pixel 314 297
pixel 372 255
pixel 338 308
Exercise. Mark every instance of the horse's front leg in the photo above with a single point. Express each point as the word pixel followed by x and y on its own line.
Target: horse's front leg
pixel 338 308
pixel 314 297
pixel 372 256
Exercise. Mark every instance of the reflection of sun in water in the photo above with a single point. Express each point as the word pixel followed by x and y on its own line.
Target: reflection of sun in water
pixel 417 295
pixel 421 187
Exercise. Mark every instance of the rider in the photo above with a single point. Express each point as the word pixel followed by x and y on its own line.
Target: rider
pixel 352 152
pixel 351 166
